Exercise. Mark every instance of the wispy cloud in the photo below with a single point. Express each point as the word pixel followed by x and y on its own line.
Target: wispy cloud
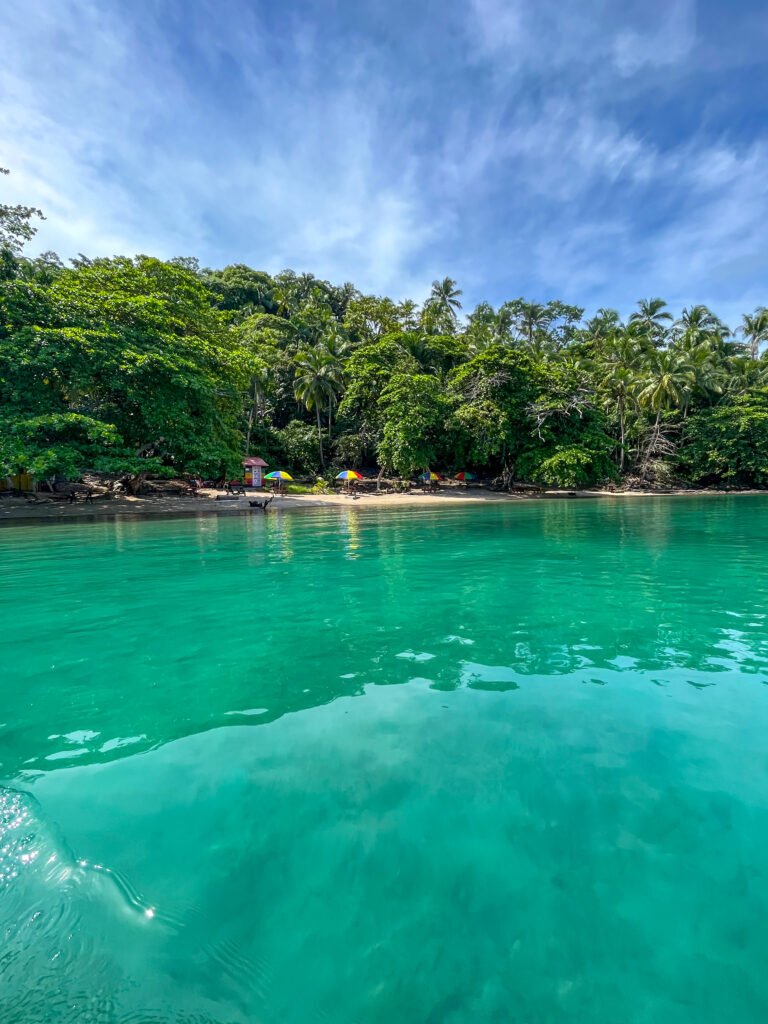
pixel 557 148
pixel 518 34
pixel 126 152
pixel 666 42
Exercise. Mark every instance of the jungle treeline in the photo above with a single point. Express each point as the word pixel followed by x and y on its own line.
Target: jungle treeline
pixel 141 366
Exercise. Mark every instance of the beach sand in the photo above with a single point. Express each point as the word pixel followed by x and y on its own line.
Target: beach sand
pixel 44 509
pixel 154 506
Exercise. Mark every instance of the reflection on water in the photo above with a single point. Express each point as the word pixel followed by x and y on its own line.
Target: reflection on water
pixel 286 768
pixel 154 630
pixel 351 531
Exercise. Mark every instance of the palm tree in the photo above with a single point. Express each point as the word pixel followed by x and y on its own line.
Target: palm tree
pixel 335 344
pixel 628 346
pixel 439 312
pixel 415 344
pixel 335 341
pixel 445 296
pixel 619 383
pixel 620 353
pixel 340 298
pixel 696 326
pixel 531 320
pixel 744 373
pixel 700 339
pixel 700 320
pixel 306 286
pixel 650 317
pixel 754 327
pixel 313 384
pixel 258 401
pixel 286 300
pixel 710 370
pixel 621 356
pixel 668 382
pixel 603 325
pixel 407 316
pixel 480 329
pixel 503 322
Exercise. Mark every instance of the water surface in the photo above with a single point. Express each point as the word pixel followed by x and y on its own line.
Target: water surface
pixel 478 764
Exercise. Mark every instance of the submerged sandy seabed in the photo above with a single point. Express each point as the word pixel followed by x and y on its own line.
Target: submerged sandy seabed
pixel 15 509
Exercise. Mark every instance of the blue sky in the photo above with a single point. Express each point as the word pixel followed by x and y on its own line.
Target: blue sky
pixel 588 150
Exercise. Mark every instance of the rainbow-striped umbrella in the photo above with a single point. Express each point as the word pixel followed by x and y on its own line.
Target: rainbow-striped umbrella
pixel 429 476
pixel 278 474
pixel 465 476
pixel 349 474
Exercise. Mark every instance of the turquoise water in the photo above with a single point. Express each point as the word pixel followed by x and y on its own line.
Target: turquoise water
pixel 485 764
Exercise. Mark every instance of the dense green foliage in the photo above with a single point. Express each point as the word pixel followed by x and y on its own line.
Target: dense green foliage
pixel 730 443
pixel 138 366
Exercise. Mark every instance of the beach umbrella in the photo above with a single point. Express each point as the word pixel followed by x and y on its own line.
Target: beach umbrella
pixel 465 476
pixel 278 474
pixel 429 476
pixel 349 474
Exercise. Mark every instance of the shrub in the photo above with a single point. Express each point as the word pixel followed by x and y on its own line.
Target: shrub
pixel 729 443
pixel 297 448
pixel 348 451
pixel 569 466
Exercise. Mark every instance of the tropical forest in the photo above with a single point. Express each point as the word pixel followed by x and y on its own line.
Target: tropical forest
pixel 138 367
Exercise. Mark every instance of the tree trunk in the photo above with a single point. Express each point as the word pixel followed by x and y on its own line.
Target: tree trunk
pixel 320 436
pixel 135 483
pixel 248 432
pixel 621 438
pixel 330 415
pixel 651 444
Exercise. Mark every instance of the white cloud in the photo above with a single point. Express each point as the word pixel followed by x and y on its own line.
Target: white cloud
pixel 524 164
pixel 630 37
pixel 710 248
pixel 565 150
pixel 717 243
pixel 125 155
pixel 498 25
pixel 667 42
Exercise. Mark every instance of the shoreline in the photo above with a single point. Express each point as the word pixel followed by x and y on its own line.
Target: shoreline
pixel 14 511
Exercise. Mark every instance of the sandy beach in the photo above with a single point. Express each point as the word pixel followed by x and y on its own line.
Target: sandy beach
pixel 44 509
pixel 156 506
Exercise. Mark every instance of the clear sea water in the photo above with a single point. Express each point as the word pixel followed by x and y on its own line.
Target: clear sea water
pixel 497 764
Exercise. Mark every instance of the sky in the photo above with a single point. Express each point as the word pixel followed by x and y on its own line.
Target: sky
pixel 595 151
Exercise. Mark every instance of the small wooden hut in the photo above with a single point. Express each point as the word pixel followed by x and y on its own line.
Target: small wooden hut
pixel 252 470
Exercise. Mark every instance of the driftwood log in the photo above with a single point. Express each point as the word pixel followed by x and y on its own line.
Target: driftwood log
pixel 263 504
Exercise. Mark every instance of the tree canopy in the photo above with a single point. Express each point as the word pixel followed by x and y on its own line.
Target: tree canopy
pixel 140 365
